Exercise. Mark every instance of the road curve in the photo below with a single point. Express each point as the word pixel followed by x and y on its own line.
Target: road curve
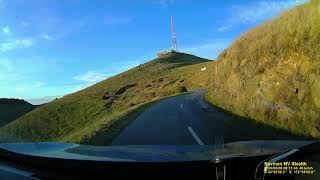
pixel 187 120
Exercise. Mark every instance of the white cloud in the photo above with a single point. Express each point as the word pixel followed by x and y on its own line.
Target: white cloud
pixel 19 43
pixel 164 2
pixel 24 87
pixel 42 100
pixel 91 76
pixel 261 10
pixel 24 23
pixel 81 86
pixel 38 84
pixel 6 30
pixel 27 87
pixel 224 28
pixel 209 50
pixel 19 77
pixel 16 44
pixel 256 12
pixel 111 20
pixel 47 37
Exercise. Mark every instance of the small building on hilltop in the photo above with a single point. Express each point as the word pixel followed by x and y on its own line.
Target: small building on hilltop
pixel 166 53
pixel 174 48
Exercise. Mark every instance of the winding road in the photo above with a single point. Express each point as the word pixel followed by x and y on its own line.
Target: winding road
pixel 188 119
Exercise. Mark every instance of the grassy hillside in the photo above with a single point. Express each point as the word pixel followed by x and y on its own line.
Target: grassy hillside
pixel 11 109
pixel 79 116
pixel 272 72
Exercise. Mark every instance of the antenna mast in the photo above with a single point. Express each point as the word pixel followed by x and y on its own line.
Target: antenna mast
pixel 174 37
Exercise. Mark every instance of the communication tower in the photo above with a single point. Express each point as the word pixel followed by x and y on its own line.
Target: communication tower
pixel 174 36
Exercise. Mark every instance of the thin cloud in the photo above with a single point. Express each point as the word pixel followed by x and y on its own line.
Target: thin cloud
pixel 209 50
pixel 257 11
pixel 13 44
pixel 42 100
pixel 47 37
pixel 164 3
pixel 261 10
pixel 81 86
pixel 112 20
pixel 24 87
pixel 224 28
pixel 24 24
pixel 20 43
pixel 38 84
pixel 6 30
pixel 89 78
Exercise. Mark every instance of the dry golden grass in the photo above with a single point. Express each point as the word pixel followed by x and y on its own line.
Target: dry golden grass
pixel 272 72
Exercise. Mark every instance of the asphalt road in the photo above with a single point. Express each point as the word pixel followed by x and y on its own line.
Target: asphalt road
pixel 188 119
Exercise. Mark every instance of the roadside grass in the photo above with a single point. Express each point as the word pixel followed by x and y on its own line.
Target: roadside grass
pixel 271 73
pixel 262 130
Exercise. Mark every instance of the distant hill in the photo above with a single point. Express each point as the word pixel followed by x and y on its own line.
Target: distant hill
pixel 78 116
pixel 11 109
pixel 272 72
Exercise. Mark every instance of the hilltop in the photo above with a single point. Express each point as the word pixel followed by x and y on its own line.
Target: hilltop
pixel 272 72
pixel 79 116
pixel 11 109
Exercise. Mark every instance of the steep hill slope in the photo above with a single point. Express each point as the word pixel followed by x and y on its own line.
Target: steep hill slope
pixel 78 116
pixel 272 72
pixel 11 109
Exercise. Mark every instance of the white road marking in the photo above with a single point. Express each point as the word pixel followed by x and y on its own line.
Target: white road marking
pixel 195 136
pixel 181 106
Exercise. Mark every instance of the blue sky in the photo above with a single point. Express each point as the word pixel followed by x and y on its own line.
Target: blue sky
pixel 49 48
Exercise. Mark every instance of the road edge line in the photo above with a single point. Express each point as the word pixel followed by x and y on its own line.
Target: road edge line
pixel 195 136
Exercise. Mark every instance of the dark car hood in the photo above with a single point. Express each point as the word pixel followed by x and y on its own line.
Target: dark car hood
pixel 149 153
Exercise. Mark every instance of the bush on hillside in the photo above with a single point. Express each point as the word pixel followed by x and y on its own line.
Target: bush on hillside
pixel 181 89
